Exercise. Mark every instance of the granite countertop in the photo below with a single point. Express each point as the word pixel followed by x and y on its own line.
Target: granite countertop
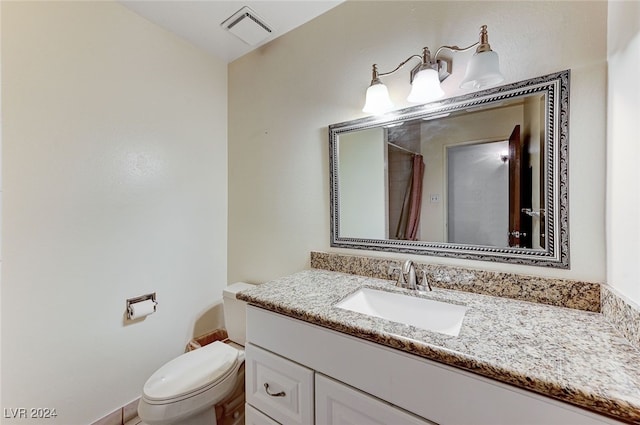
pixel 568 354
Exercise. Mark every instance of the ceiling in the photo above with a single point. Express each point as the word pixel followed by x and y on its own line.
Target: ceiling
pixel 199 21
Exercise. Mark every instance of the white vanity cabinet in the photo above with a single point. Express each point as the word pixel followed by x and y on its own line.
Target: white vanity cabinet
pixel 339 404
pixel 331 378
pixel 280 391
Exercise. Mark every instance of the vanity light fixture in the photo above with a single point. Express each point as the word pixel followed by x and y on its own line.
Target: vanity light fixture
pixel 483 70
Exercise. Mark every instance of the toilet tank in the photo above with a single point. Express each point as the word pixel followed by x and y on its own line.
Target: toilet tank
pixel 235 319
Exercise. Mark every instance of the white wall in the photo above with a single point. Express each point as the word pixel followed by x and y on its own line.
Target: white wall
pixel 623 149
pixel 115 185
pixel 362 163
pixel 284 95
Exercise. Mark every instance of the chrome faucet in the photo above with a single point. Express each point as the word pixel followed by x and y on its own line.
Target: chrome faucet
pixel 408 277
pixel 408 272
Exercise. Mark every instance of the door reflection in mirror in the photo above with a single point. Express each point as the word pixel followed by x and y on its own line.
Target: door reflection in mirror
pixel 478 194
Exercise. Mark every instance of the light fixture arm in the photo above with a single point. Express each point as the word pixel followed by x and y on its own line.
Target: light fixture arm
pixel 483 44
pixel 375 74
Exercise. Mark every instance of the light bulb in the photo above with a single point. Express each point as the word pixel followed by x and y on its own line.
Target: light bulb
pixel 425 87
pixel 377 99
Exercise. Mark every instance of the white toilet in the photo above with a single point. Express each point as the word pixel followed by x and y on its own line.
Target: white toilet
pixel 186 389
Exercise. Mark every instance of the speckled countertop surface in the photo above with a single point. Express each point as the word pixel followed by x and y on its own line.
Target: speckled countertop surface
pixel 571 355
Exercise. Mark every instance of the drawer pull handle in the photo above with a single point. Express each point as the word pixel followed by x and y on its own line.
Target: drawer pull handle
pixel 280 394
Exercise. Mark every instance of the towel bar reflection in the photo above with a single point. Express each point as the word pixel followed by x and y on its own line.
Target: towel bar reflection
pixel 533 213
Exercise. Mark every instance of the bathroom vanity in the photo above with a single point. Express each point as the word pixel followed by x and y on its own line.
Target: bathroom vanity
pixel 512 362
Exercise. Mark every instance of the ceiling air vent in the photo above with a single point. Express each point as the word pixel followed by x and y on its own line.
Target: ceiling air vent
pixel 247 26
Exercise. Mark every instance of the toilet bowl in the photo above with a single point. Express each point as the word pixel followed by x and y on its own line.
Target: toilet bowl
pixel 186 389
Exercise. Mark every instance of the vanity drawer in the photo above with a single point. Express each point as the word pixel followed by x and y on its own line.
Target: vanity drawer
pixel 253 416
pixel 278 387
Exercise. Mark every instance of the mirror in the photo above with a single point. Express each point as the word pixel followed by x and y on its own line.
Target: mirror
pixel 479 176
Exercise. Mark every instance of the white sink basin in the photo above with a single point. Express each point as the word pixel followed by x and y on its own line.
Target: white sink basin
pixel 430 315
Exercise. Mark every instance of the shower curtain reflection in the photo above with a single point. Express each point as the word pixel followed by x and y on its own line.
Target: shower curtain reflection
pixel 409 222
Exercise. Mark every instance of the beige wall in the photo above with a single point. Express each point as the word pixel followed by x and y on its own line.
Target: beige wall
pixel 623 149
pixel 283 96
pixel 115 185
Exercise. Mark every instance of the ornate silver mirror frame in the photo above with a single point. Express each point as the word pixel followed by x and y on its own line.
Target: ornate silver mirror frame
pixel 555 91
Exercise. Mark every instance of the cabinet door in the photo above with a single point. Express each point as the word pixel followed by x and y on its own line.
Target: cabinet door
pixel 339 404
pixel 278 387
pixel 253 416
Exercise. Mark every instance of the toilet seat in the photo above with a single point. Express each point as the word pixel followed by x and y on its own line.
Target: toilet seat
pixel 192 373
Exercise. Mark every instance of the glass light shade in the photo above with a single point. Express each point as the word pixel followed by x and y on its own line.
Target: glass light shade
pixel 425 87
pixel 377 99
pixel 483 70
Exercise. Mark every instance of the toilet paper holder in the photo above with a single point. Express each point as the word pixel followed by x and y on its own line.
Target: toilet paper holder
pixel 140 299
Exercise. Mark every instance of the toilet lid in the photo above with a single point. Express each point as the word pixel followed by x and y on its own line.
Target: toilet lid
pixel 191 371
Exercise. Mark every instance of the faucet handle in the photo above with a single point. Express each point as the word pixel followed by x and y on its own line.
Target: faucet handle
pixel 401 279
pixel 424 282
